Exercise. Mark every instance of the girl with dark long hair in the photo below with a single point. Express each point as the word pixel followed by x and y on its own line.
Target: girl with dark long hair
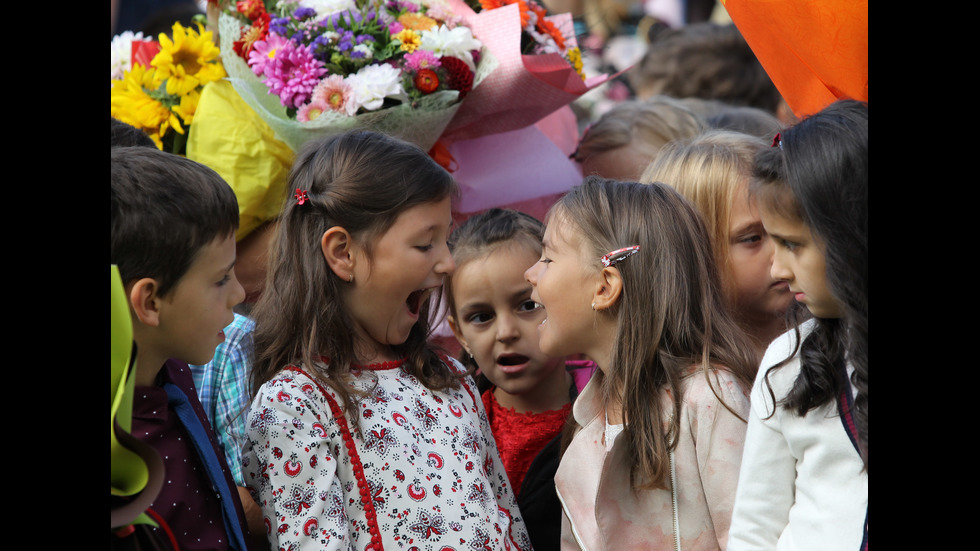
pixel 804 478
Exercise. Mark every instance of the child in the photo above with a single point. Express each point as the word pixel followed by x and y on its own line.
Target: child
pixel 360 435
pixel 805 472
pixel 530 394
pixel 627 278
pixel 705 60
pixel 172 234
pixel 712 171
pixel 628 137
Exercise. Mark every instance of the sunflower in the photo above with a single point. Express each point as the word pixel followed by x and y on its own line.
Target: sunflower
pixel 189 56
pixel 130 103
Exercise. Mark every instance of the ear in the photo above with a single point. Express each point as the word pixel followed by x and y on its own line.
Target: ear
pixel 458 333
pixel 144 300
pixel 608 289
pixel 336 245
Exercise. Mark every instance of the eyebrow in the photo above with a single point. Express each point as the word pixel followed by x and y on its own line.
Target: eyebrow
pixel 524 291
pixel 749 226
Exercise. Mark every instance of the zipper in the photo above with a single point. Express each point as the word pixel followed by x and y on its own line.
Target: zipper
pixel 571 524
pixel 673 493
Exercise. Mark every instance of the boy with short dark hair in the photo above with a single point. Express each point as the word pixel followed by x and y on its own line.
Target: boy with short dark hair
pixel 172 235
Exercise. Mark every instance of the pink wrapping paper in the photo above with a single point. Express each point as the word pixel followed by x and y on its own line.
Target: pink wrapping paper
pixel 519 166
pixel 523 89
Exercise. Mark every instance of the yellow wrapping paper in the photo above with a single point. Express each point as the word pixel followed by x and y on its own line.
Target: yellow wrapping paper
pixel 231 138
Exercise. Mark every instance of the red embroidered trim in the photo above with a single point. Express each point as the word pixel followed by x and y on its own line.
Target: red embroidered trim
pixel 372 367
pixel 362 486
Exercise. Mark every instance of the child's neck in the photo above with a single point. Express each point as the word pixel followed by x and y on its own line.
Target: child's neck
pixel 546 397
pixel 148 367
pixel 375 354
pixel 762 332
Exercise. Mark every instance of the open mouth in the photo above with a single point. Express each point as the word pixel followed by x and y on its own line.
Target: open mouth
pixel 416 299
pixel 512 359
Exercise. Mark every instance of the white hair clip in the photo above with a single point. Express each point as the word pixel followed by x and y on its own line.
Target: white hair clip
pixel 611 259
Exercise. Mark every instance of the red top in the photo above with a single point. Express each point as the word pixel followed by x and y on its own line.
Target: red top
pixel 521 436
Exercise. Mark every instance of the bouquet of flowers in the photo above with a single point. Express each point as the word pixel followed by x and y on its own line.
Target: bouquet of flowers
pixel 537 68
pixel 156 87
pixel 540 34
pixel 310 67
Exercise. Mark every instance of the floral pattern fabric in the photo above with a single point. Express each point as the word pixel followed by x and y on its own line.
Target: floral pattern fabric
pixel 424 473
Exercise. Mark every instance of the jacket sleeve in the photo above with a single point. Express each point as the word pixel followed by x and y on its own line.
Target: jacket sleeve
pixel 720 435
pixel 291 468
pixel 767 478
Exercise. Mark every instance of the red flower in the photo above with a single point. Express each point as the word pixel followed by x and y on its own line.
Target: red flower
pixel 458 75
pixel 427 81
pixel 250 35
pixel 251 8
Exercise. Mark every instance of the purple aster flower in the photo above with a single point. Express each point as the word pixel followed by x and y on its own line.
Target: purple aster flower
pixel 304 13
pixel 346 41
pixel 279 25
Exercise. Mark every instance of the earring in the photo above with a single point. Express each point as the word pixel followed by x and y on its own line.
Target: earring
pixel 593 306
pixel 350 278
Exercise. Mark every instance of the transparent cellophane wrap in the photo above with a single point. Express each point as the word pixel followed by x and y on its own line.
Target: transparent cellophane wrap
pixel 421 124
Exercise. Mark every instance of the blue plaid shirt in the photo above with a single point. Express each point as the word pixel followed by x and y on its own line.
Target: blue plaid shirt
pixel 223 388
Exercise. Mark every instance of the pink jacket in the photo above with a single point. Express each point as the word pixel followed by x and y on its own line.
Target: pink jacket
pixel 707 460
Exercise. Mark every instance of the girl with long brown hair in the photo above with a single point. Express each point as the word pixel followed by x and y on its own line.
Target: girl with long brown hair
pixel 627 277
pixel 360 435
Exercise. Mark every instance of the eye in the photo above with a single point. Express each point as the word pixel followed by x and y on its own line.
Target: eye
pixel 479 318
pixel 424 248
pixel 545 260
pixel 750 239
pixel 528 306
pixel 224 281
pixel 788 245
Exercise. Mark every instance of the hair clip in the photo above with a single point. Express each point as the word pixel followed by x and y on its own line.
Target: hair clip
pixel 301 196
pixel 611 259
pixel 777 140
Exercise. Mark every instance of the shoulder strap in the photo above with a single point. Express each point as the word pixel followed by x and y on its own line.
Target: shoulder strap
pixel 846 401
pixel 212 463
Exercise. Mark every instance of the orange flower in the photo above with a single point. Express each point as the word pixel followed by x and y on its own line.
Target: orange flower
pixel 525 16
pixel 416 21
pixel 548 27
pixel 493 4
pixel 427 81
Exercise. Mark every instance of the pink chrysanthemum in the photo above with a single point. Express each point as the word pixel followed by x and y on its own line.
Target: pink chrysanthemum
pixel 264 51
pixel 336 94
pixel 293 73
pixel 421 59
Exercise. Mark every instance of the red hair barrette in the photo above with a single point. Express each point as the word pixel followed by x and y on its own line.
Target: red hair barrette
pixel 777 140
pixel 610 259
pixel 301 196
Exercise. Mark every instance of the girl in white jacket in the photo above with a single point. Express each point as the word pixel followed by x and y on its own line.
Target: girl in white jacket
pixel 804 478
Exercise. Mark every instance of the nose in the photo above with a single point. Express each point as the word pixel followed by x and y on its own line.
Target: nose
pixel 507 329
pixel 446 265
pixel 531 274
pixel 237 294
pixel 779 270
